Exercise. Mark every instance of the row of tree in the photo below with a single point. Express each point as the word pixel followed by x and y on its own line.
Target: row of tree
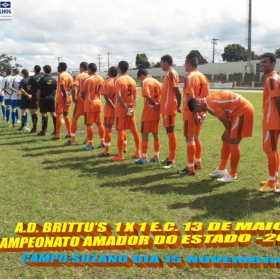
pixel 232 52
pixel 6 64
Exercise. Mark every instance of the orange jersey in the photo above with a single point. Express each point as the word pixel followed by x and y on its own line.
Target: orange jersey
pixel 126 87
pixel 196 84
pixel 91 87
pixel 230 103
pixel 150 87
pixel 271 118
pixel 66 80
pixel 108 88
pixel 168 102
pixel 79 81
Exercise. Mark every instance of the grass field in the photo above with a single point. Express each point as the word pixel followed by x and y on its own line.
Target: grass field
pixel 45 181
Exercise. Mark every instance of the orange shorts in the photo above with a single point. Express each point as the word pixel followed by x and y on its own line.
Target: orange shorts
pixel 78 109
pixel 169 120
pixel 124 123
pixel 270 140
pixel 62 108
pixel 92 117
pixel 150 126
pixel 242 126
pixel 191 128
pixel 109 120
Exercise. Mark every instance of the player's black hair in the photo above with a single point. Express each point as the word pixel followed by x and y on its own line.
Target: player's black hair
pixel 167 58
pixel 123 65
pixel 84 65
pixel 47 69
pixel 37 69
pixel 192 103
pixel 15 71
pixel 8 72
pixel 192 60
pixel 142 71
pixel 62 65
pixel 25 72
pixel 92 67
pixel 271 56
pixel 113 71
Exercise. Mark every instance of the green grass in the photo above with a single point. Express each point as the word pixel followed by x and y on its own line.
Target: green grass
pixel 45 181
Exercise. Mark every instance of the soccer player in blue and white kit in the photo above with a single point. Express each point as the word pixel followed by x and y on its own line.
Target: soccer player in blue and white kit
pixel 7 94
pixel 2 99
pixel 15 98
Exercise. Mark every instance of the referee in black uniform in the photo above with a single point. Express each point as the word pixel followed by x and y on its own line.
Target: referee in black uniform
pixel 32 87
pixel 46 98
pixel 24 101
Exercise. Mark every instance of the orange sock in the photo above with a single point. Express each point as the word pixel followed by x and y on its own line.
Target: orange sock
pixel 277 165
pixel 145 145
pixel 120 143
pixel 173 143
pixel 108 139
pixel 198 149
pixel 58 125
pixel 101 132
pixel 68 125
pixel 74 127
pixel 156 148
pixel 125 142
pixel 90 134
pixel 225 152
pixel 272 163
pixel 235 155
pixel 136 141
pixel 190 155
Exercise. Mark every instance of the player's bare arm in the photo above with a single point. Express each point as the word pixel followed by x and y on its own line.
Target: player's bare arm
pixel 277 103
pixel 120 99
pixel 225 121
pixel 62 88
pixel 38 95
pixel 83 95
pixel 109 101
pixel 135 101
pixel 178 97
pixel 73 91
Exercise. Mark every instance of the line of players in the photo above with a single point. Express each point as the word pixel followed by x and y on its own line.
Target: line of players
pixel 120 92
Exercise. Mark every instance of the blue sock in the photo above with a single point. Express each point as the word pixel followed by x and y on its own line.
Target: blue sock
pixel 3 111
pixel 17 113
pixel 14 114
pixel 26 118
pixel 8 111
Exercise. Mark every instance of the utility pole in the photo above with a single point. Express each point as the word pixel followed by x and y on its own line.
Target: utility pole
pixel 99 58
pixel 249 33
pixel 213 41
pixel 58 58
pixel 108 60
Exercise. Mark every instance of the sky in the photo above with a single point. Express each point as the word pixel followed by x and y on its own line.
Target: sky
pixel 75 31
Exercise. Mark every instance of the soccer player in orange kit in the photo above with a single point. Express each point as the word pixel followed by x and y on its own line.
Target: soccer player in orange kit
pixel 151 91
pixel 169 106
pixel 237 115
pixel 127 98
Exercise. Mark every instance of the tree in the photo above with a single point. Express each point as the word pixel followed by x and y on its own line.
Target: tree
pixel 277 53
pixel 156 65
pixel 234 52
pixel 201 59
pixel 142 61
pixel 5 64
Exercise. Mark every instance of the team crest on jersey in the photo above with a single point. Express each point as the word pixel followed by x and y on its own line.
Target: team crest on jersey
pixel 6 11
pixel 49 82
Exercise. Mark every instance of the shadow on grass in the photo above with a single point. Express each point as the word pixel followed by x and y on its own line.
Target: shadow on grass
pixel 232 205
